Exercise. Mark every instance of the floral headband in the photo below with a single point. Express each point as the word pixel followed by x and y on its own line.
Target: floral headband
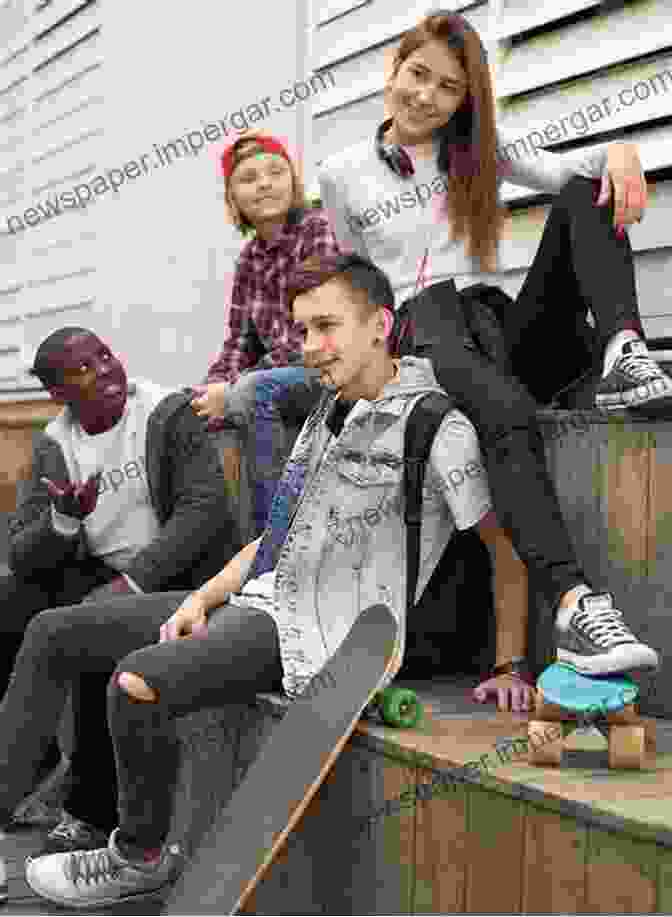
pixel 267 144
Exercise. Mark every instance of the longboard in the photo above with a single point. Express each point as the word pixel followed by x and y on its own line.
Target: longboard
pixel 248 834
pixel 569 699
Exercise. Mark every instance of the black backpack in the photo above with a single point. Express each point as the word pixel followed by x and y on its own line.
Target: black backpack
pixel 451 627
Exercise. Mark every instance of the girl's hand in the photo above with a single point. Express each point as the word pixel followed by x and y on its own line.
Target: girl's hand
pixel 210 400
pixel 510 692
pixel 624 172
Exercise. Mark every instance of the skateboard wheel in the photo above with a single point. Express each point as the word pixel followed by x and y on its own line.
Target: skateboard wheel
pixel 400 707
pixel 545 742
pixel 626 747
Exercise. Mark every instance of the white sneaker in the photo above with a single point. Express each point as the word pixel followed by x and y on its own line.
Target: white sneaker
pixel 597 641
pixel 98 878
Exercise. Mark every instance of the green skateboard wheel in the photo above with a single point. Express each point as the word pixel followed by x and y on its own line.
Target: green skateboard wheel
pixel 399 707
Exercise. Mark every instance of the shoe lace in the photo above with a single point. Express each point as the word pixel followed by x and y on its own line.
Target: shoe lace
pixel 640 366
pixel 69 830
pixel 604 626
pixel 91 866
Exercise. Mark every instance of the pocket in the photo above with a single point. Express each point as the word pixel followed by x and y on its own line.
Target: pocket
pixel 373 469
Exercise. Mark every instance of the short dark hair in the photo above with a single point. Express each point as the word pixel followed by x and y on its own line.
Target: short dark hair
pixel 370 285
pixel 50 346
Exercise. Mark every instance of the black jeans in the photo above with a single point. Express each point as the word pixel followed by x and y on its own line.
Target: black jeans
pixel 92 792
pixel 20 600
pixel 238 656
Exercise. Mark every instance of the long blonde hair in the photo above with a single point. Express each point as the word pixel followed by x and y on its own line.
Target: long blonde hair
pixel 468 143
pixel 244 147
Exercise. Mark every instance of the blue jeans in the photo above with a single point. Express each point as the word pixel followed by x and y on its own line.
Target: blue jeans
pixel 253 408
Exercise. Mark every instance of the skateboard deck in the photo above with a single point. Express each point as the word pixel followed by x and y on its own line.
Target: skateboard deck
pixel 289 770
pixel 569 699
pixel 594 696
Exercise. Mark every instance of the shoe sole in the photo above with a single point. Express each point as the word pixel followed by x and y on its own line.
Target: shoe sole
pixel 589 665
pixel 98 902
pixel 652 407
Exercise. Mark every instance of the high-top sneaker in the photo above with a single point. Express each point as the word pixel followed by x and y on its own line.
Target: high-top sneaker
pixel 635 381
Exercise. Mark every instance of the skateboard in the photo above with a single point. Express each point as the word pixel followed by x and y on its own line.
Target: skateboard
pixel 248 834
pixel 569 699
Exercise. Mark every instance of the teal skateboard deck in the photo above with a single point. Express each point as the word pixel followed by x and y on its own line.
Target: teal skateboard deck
pixel 567 699
pixel 592 696
pixel 248 834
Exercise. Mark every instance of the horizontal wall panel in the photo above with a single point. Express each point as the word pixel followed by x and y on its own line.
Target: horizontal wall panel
pixel 62 234
pixel 38 327
pixel 61 94
pixel 520 15
pixel 79 123
pixel 13 70
pixel 653 271
pixel 60 295
pixel 378 22
pixel 639 28
pixel 61 166
pixel 658 327
pixel 68 66
pixel 655 151
pixel 64 140
pixel 64 36
pixel 74 96
pixel 621 96
pixel 10 306
pixel 12 182
pixel 61 262
pixel 55 12
pixel 326 10
pixel 356 78
pixel 340 129
pixel 12 104
pixel 11 348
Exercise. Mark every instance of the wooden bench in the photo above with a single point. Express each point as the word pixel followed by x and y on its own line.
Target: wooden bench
pixel 509 838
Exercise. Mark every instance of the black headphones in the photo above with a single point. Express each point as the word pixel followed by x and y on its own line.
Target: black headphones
pixel 392 154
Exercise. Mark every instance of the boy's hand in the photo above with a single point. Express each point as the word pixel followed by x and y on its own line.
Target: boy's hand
pixel 210 400
pixel 74 500
pixel 190 619
pixel 511 693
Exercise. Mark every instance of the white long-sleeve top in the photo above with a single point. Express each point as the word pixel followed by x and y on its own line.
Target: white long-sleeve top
pixel 393 220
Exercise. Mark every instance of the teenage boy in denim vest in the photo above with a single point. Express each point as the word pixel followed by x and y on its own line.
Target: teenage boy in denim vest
pixel 334 544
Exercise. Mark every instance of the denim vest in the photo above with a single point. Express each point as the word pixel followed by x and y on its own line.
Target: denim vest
pixel 346 545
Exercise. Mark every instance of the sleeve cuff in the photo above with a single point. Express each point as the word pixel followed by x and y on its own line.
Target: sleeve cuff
pixel 64 525
pixel 134 586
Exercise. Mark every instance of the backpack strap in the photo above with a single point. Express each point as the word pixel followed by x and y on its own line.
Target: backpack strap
pixel 421 427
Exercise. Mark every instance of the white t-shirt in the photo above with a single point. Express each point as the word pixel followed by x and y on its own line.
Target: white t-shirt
pixel 123 522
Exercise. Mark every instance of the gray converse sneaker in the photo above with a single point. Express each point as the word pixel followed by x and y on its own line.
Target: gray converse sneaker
pixel 635 381
pixel 90 879
pixel 71 834
pixel 598 642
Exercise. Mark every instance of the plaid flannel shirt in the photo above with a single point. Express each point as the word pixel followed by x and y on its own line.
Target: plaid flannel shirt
pixel 259 297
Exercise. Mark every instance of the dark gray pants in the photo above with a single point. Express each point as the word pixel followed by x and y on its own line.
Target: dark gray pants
pixel 237 657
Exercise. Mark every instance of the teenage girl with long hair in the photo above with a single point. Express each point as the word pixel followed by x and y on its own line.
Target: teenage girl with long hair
pixel 264 194
pixel 420 198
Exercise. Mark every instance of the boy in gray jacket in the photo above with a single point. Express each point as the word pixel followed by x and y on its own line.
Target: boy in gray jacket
pixel 125 495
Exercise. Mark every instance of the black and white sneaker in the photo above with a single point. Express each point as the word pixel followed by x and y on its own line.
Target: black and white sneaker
pixel 598 642
pixel 635 381
pixel 71 834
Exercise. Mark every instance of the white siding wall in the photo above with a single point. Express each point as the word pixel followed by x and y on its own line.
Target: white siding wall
pixel 551 59
pixel 89 87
